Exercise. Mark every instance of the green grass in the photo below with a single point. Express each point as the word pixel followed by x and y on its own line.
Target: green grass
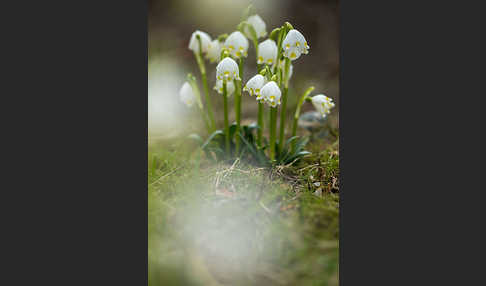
pixel 234 224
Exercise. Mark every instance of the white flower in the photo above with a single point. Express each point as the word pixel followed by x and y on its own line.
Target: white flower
pixel 259 26
pixel 194 43
pixel 323 104
pixel 186 94
pixel 230 87
pixel 271 93
pixel 254 85
pixel 267 52
pixel 237 44
pixel 227 69
pixel 294 45
pixel 214 51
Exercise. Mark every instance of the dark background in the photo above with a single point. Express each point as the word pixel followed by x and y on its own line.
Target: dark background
pixel 75 201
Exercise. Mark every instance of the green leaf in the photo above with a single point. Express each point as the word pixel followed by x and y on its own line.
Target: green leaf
pixel 290 140
pixel 211 137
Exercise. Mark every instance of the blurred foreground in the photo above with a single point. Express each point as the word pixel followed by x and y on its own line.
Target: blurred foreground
pixel 233 224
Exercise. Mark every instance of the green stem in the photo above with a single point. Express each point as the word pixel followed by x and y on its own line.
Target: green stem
pixel 297 111
pixel 261 111
pixel 238 105
pixel 202 69
pixel 273 129
pixel 283 111
pixel 226 125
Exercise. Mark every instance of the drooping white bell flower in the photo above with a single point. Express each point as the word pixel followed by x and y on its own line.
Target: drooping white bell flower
pixel 254 86
pixel 227 69
pixel 194 43
pixel 323 104
pixel 259 26
pixel 230 87
pixel 237 44
pixel 214 51
pixel 295 39
pixel 267 52
pixel 294 45
pixel 186 94
pixel 271 93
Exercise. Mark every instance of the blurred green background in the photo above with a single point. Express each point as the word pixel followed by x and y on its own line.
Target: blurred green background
pixel 171 24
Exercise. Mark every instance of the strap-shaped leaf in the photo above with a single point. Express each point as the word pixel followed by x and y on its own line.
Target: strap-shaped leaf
pixel 211 137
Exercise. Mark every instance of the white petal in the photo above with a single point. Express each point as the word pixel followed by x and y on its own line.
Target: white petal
pixel 214 51
pixel 267 52
pixel 186 94
pixel 230 87
pixel 295 39
pixel 271 93
pixel 205 41
pixel 322 104
pixel 258 24
pixel 292 53
pixel 255 84
pixel 237 44
pixel 227 68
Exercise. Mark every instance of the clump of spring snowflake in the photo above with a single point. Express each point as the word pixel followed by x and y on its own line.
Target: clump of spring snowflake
pixel 294 45
pixel 323 104
pixel 254 86
pixel 186 94
pixel 267 52
pixel 271 93
pixel 237 44
pixel 205 42
pixel 227 69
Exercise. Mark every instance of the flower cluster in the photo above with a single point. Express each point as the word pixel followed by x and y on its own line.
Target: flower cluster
pixel 270 86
